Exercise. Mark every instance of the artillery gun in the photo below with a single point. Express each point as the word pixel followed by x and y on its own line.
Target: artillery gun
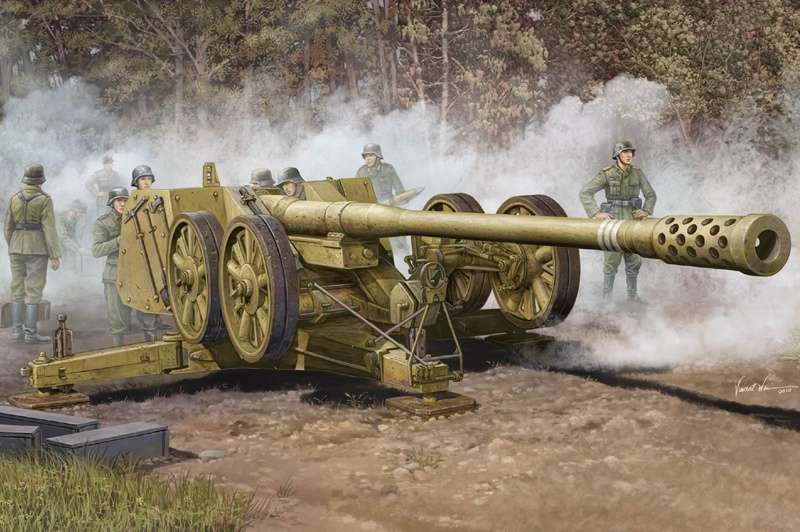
pixel 256 279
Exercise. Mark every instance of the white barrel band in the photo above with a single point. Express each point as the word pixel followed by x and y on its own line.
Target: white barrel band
pixel 607 235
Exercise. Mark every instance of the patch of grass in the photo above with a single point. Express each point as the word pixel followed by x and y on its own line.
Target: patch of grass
pixel 424 457
pixel 55 493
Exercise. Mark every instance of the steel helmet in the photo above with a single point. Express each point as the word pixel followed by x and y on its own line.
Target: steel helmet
pixel 117 192
pixel 372 148
pixel 289 175
pixel 262 177
pixel 141 171
pixel 621 146
pixel 34 174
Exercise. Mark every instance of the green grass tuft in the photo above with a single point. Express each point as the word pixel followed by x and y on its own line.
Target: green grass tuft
pixel 53 493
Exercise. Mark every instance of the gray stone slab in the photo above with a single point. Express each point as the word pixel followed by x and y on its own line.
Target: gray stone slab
pixel 51 423
pixel 20 438
pixel 129 441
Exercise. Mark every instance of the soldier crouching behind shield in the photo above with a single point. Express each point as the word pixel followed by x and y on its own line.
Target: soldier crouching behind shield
pixel 30 231
pixel 621 183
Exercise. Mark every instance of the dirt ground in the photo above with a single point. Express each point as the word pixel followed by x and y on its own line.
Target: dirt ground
pixel 552 446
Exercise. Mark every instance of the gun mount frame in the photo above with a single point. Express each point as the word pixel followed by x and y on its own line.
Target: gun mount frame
pixel 256 279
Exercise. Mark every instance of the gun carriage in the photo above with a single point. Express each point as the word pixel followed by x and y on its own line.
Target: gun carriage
pixel 256 279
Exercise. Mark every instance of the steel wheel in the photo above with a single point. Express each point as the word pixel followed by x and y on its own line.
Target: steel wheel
pixel 467 288
pixel 541 290
pixel 192 269
pixel 258 286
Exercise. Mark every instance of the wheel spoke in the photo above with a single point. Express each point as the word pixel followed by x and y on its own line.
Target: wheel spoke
pixel 187 313
pixel 236 253
pixel 548 279
pixel 234 271
pixel 244 328
pixel 263 320
pixel 263 281
pixel 248 247
pixel 541 293
pixel 256 330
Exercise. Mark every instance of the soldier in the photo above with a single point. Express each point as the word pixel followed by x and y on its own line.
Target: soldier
pixel 261 177
pixel 383 175
pixel 70 229
pixel 142 177
pixel 105 238
pixel 291 182
pixel 622 183
pixel 30 231
pixel 102 181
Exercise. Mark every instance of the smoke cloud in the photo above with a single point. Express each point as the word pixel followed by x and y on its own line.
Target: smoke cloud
pixel 693 315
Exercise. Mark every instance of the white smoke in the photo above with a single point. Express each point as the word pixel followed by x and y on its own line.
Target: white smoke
pixel 693 314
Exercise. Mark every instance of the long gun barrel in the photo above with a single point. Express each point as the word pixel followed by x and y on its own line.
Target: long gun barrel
pixel 754 244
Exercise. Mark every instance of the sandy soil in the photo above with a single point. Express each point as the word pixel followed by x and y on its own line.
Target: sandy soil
pixel 551 447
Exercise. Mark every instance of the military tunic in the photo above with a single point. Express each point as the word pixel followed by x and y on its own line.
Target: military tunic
pixel 101 182
pixel 105 243
pixel 105 238
pixel 620 188
pixel 384 179
pixel 30 232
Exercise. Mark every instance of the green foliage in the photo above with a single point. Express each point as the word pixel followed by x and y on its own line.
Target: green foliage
pixel 51 493
pixel 505 61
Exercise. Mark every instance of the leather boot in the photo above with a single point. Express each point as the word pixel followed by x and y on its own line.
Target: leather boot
pixel 31 326
pixel 118 339
pixel 632 289
pixel 608 284
pixel 17 317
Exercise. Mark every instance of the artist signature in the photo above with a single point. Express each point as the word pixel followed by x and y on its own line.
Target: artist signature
pixel 762 386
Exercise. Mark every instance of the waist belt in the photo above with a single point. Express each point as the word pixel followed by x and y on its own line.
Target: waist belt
pixel 623 203
pixel 28 227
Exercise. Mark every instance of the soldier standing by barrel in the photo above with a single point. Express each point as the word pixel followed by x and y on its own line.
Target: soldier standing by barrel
pixel 384 178
pixel 622 182
pixel 102 181
pixel 30 231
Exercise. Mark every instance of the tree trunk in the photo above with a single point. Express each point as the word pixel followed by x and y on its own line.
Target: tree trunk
pixel 376 11
pixel 306 99
pixel 445 103
pixel 352 75
pixel 392 15
pixel 180 79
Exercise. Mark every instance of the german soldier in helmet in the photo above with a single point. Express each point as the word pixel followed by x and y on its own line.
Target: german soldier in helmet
pixel 384 178
pixel 261 177
pixel 622 183
pixel 105 237
pixel 142 177
pixel 102 181
pixel 30 231
pixel 291 182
